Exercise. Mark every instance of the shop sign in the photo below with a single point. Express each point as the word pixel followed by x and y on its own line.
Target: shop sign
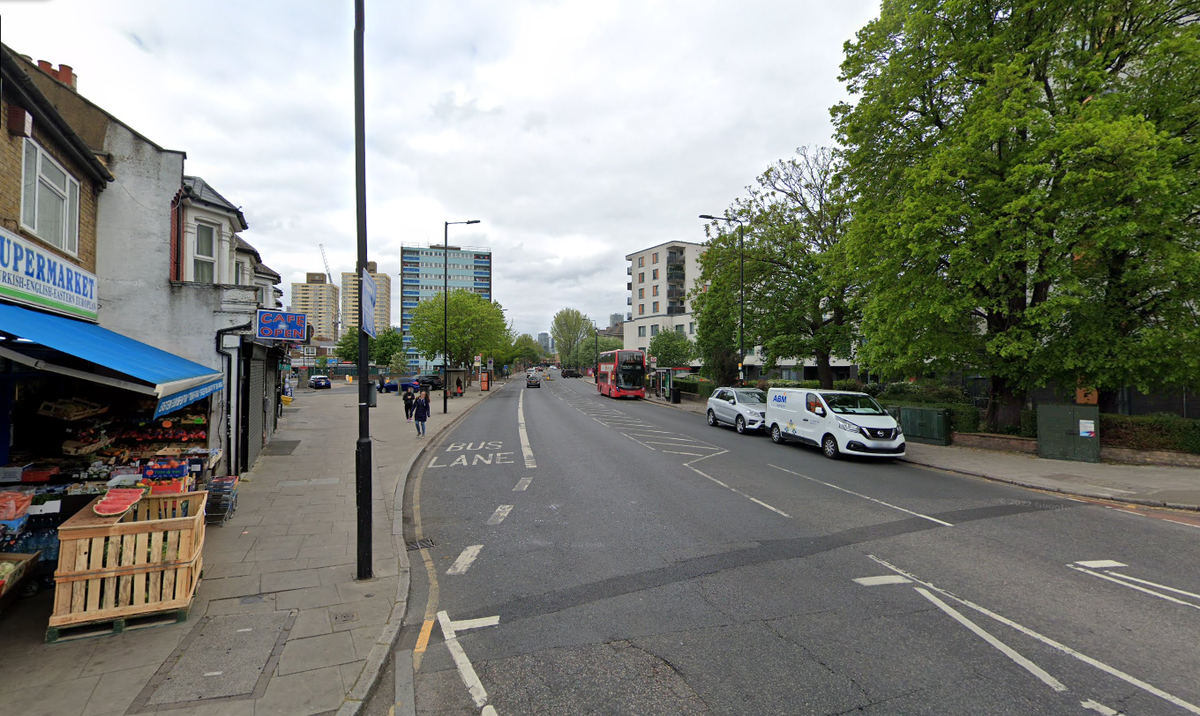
pixel 34 276
pixel 171 403
pixel 281 326
pixel 367 300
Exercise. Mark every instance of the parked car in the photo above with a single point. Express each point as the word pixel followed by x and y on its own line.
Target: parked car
pixel 319 381
pixel 743 408
pixel 533 380
pixel 387 386
pixel 430 382
pixel 571 373
pixel 837 421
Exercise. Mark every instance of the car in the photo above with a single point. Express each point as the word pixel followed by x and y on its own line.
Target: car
pixel 743 408
pixel 840 422
pixel 533 380
pixel 319 381
pixel 430 382
pixel 571 373
pixel 387 386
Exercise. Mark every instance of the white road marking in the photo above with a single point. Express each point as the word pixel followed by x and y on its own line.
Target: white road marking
pixel 499 515
pixel 1149 688
pixel 466 624
pixel 1101 564
pixel 1154 584
pixel 680 452
pixel 525 449
pixel 885 579
pixel 1099 708
pixel 240 631
pixel 1005 649
pixel 1123 583
pixel 488 711
pixel 872 499
pixel 735 490
pixel 465 670
pixel 522 484
pixel 463 563
pixel 213 673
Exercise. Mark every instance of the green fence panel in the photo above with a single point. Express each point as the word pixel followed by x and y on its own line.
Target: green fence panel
pixel 926 425
pixel 1069 432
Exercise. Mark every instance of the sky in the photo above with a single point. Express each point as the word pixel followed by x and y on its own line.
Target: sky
pixel 575 132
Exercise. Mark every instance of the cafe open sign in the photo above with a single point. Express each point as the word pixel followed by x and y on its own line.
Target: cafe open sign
pixel 280 326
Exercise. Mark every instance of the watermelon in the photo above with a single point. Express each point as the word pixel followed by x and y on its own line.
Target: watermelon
pixel 117 501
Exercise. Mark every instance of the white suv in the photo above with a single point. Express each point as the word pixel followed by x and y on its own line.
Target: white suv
pixel 743 408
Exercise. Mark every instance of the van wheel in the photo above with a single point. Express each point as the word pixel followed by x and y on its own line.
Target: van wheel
pixel 712 418
pixel 740 425
pixel 776 434
pixel 829 446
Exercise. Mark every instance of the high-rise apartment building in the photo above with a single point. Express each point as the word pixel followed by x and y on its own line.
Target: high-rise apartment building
pixel 383 298
pixel 615 319
pixel 317 299
pixel 660 278
pixel 543 340
pixel 421 277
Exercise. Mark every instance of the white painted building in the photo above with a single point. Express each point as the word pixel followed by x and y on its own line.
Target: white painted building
pixel 660 279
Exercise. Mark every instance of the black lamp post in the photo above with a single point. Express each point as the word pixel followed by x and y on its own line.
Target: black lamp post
pixel 446 313
pixel 742 290
pixel 362 449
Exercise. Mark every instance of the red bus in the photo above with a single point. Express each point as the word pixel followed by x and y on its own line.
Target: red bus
pixel 622 374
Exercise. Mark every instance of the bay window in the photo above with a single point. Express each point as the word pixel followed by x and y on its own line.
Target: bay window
pixel 49 200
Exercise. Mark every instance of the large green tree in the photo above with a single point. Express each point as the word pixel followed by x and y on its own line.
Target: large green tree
pixel 569 328
pixel 1025 185
pixel 715 306
pixel 476 326
pixel 526 350
pixel 672 349
pixel 388 343
pixel 585 353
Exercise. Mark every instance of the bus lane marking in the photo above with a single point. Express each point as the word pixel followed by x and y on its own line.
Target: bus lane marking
pixel 526 450
pixel 499 515
pixel 522 484
pixel 463 563
pixel 465 670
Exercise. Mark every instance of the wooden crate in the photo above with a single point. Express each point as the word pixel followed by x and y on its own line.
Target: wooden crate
pixel 146 561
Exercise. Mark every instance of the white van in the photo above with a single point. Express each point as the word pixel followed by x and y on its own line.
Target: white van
pixel 837 421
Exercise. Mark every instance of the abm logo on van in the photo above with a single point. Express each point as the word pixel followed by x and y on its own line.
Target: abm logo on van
pixel 779 398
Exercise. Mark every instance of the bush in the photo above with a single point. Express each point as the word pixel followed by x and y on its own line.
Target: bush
pixel 851 385
pixel 1150 432
pixel 687 385
pixel 925 391
pixel 1028 424
pixel 808 384
pixel 873 389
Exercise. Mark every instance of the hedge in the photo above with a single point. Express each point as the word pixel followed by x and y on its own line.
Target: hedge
pixel 702 387
pixel 1162 431
pixel 963 418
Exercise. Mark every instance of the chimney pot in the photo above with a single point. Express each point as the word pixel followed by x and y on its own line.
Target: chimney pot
pixel 45 67
pixel 66 75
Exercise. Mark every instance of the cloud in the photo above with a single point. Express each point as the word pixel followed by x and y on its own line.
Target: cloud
pixel 577 132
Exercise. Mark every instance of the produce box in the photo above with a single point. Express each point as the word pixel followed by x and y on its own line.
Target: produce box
pixel 11 575
pixel 12 473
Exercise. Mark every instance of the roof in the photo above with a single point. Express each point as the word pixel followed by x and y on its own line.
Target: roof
pixel 259 267
pixel 197 189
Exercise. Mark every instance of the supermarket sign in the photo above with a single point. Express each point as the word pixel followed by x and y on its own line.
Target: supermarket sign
pixel 281 326
pixel 34 276
pixel 171 403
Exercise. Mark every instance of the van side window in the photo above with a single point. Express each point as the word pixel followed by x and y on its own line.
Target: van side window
pixel 812 402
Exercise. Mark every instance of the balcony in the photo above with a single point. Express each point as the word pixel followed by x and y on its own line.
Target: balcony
pixel 628 317
pixel 676 310
pixel 628 270
pixel 674 292
pixel 629 300
pixel 629 286
pixel 676 260
pixel 676 275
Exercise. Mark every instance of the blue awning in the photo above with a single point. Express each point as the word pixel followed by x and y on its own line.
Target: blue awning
pixel 175 381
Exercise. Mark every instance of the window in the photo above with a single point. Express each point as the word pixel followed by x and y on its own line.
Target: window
pixel 641 261
pixel 691 328
pixel 655 259
pixel 204 261
pixel 655 289
pixel 641 276
pixel 641 309
pixel 654 329
pixel 641 331
pixel 654 274
pixel 641 293
pixel 240 273
pixel 679 328
pixel 49 200
pixel 309 350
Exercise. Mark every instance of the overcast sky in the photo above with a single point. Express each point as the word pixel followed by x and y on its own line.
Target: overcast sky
pixel 576 132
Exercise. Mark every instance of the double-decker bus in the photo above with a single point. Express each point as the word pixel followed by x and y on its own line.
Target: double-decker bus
pixel 622 374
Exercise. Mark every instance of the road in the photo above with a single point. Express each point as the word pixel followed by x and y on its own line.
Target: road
pixel 591 556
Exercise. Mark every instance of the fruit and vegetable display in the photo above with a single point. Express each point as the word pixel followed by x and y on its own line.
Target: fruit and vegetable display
pixel 118 501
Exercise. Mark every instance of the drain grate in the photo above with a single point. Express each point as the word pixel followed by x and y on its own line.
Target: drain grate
pixel 344 617
pixel 280 447
pixel 416 544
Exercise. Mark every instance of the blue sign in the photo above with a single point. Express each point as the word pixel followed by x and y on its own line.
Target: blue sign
pixel 369 292
pixel 171 403
pixel 280 326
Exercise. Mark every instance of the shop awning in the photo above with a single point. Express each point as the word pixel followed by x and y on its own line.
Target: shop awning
pixel 175 381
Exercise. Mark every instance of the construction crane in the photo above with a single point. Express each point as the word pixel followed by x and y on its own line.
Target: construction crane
pixel 329 274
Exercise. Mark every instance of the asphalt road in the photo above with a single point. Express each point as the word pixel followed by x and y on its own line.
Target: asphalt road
pixel 629 559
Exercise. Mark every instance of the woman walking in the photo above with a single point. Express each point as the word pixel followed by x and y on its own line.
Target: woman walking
pixel 409 399
pixel 421 412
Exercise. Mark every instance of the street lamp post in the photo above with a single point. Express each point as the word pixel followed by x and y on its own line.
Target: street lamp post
pixel 741 290
pixel 446 313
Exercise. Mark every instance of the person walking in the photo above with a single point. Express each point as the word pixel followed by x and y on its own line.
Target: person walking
pixel 421 412
pixel 409 399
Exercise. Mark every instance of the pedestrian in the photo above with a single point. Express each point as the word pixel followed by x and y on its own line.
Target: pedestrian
pixel 458 386
pixel 421 412
pixel 409 399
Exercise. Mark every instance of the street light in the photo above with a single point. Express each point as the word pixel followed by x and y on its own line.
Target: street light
pixel 446 313
pixel 742 290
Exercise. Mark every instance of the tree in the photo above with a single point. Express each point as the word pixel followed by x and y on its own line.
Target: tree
pixel 1025 183
pixel 672 349
pixel 526 350
pixel 322 363
pixel 476 326
pixel 715 307
pixel 585 354
pixel 347 347
pixel 387 344
pixel 569 328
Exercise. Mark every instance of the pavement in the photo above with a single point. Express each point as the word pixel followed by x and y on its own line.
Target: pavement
pixel 1150 485
pixel 279 625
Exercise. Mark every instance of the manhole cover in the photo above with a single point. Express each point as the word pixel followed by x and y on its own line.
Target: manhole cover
pixel 344 617
pixel 280 447
pixel 224 657
pixel 418 544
